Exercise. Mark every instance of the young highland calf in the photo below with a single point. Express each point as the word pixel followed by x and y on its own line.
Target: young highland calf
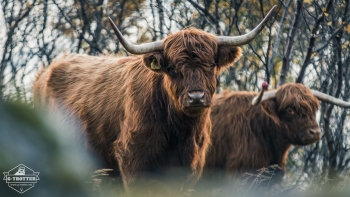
pixel 248 137
pixel 145 114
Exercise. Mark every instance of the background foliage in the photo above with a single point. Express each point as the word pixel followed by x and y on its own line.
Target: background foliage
pixel 306 42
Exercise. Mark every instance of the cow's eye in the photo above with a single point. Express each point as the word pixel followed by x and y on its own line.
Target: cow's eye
pixel 172 71
pixel 212 65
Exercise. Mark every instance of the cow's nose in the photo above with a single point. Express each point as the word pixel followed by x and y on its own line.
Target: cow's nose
pixel 315 132
pixel 196 97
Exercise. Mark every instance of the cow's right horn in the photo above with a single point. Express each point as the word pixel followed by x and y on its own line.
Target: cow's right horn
pixel 136 49
pixel 330 99
pixel 246 38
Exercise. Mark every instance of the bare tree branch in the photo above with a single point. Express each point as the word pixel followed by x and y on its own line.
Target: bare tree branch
pixel 312 42
pixel 290 44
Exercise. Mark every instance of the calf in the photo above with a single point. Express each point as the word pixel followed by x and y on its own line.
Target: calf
pixel 248 137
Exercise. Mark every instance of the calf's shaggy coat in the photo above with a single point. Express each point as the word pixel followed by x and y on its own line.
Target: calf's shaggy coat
pixel 247 137
pixel 135 111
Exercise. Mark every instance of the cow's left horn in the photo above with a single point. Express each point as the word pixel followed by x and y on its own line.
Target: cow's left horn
pixel 264 96
pixel 136 49
pixel 246 38
pixel 330 99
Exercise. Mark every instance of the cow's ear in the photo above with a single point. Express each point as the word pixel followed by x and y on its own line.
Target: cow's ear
pixel 270 108
pixel 227 55
pixel 154 61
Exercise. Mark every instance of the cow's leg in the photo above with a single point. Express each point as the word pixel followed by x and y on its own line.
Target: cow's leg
pixel 196 151
pixel 138 176
pixel 134 156
pixel 130 166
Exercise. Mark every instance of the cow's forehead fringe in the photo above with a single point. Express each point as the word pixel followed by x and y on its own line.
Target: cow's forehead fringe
pixel 296 95
pixel 182 45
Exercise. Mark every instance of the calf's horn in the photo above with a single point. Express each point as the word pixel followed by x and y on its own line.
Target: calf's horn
pixel 246 38
pixel 330 99
pixel 261 97
pixel 319 95
pixel 136 49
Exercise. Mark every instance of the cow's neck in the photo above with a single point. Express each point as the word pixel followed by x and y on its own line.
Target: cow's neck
pixel 277 147
pixel 187 137
pixel 184 123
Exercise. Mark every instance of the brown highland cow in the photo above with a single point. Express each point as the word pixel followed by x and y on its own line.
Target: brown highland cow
pixel 248 137
pixel 145 114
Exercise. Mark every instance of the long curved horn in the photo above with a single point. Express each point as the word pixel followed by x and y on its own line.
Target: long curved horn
pixel 246 38
pixel 136 49
pixel 330 99
pixel 261 97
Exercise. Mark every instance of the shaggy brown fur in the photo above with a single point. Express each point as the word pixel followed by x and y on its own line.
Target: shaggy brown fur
pixel 138 118
pixel 247 137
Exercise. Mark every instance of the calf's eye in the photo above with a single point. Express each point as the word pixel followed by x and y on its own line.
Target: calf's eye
pixel 290 111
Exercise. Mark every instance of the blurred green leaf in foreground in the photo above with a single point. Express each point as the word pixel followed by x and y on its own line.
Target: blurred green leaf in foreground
pixel 40 143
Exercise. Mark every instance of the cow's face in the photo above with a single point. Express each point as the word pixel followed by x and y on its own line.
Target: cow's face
pixel 295 109
pixel 190 64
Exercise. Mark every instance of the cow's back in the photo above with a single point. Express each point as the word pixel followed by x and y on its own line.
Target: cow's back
pixel 93 90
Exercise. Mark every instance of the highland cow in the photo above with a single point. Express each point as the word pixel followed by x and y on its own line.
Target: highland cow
pixel 248 137
pixel 145 114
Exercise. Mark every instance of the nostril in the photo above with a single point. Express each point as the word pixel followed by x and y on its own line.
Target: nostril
pixel 312 132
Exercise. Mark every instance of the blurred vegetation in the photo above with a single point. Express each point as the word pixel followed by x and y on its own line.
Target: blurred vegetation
pixel 30 138
pixel 307 41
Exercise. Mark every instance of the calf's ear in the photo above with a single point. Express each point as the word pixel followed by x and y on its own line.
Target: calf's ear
pixel 154 61
pixel 270 108
pixel 227 55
